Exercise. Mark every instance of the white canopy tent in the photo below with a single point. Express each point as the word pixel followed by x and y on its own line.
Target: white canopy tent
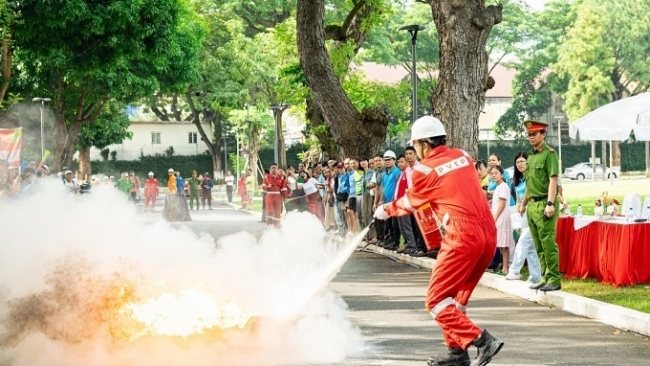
pixel 615 122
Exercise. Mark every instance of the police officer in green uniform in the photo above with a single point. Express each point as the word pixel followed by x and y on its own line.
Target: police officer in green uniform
pixel 543 206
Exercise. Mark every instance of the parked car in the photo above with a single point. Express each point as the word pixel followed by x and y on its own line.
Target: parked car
pixel 582 171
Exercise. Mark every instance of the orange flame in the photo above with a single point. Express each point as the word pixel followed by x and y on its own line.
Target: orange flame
pixel 190 312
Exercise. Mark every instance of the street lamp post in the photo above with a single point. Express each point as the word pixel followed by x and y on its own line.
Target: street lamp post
pixel 42 101
pixel 279 145
pixel 413 30
pixel 559 120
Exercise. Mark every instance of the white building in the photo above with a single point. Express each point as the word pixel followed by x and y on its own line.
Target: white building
pixel 151 138
pixel 497 100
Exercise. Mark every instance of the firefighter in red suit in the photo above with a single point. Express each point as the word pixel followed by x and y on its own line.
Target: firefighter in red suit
pixel 276 189
pixel 446 179
pixel 150 192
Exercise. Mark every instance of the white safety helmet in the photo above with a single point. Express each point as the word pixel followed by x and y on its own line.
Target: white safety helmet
pixel 390 154
pixel 170 170
pixel 425 127
pixel 150 174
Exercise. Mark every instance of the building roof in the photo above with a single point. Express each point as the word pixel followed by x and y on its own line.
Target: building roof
pixel 392 74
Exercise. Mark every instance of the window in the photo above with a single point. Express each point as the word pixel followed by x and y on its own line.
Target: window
pixel 191 137
pixel 155 138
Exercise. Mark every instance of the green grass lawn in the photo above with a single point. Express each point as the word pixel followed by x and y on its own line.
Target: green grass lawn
pixel 634 297
pixel 587 204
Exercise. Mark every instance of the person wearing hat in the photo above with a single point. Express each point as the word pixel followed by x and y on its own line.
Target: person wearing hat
pixel 70 184
pixel 447 190
pixel 543 168
pixel 389 188
pixel 171 182
pixel 194 182
pixel 275 186
pixel 151 190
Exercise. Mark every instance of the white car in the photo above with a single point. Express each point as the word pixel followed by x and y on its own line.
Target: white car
pixel 582 171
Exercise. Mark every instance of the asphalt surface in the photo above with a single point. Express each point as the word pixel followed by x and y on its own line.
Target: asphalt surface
pixel 386 302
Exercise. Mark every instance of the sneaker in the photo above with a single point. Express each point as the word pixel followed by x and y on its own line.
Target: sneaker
pixel 488 347
pixel 401 249
pixel 512 276
pixel 455 357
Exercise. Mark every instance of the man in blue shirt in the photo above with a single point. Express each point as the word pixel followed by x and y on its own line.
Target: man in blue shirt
pixel 180 184
pixel 342 194
pixel 389 184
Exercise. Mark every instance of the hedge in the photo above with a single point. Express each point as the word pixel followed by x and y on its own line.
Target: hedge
pixel 632 159
pixel 632 154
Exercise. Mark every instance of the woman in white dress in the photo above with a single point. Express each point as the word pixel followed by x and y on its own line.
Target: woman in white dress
pixel 501 214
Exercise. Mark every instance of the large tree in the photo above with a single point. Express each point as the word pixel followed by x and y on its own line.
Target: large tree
pixel 606 58
pixel 354 133
pixel 111 127
pixel 463 29
pixel 83 53
pixel 536 82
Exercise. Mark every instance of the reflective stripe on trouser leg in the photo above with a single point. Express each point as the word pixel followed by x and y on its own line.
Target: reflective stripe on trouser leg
pixel 462 260
pixel 460 306
pixel 440 306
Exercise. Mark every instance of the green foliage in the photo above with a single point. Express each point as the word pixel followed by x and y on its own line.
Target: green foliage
pixel 536 81
pixel 156 164
pixel 112 127
pixel 104 154
pixel 602 54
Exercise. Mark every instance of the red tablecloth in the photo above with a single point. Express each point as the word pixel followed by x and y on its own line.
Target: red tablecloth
pixel 614 253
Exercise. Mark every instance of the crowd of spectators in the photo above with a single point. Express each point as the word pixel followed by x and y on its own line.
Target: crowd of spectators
pixel 344 194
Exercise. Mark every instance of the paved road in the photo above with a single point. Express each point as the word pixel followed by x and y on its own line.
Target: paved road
pixel 386 302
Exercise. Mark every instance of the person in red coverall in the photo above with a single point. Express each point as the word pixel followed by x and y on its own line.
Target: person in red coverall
pixel 150 192
pixel 276 189
pixel 446 180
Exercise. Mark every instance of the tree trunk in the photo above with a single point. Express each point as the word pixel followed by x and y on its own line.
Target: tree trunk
pixel 322 132
pixel 84 161
pixel 616 154
pixel 463 28
pixel 354 133
pixel 71 142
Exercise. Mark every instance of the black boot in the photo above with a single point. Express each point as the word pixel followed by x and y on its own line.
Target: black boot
pixel 455 357
pixel 488 347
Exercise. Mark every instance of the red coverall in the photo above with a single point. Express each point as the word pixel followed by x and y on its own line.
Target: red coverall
pixel 447 180
pixel 150 192
pixel 275 188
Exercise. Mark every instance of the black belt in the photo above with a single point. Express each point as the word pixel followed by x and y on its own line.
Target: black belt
pixel 538 199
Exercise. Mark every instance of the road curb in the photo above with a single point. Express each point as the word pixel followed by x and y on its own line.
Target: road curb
pixel 614 315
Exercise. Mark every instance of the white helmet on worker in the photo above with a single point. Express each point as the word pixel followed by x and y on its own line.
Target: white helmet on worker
pixel 426 127
pixel 151 174
pixel 170 170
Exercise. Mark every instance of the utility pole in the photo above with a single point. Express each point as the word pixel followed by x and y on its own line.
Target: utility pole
pixel 280 153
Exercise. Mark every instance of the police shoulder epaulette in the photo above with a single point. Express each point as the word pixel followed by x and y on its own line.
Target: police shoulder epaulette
pixel 550 148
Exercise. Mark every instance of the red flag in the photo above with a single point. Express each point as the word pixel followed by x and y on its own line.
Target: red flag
pixel 11 143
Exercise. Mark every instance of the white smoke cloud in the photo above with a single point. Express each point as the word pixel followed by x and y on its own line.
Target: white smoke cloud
pixel 67 264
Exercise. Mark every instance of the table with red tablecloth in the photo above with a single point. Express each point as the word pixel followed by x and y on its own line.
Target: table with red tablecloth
pixel 614 251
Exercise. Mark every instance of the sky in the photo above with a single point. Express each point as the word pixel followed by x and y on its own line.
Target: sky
pixel 536 4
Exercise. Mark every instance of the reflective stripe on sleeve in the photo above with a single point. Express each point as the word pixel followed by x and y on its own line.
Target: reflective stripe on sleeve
pixel 407 204
pixel 423 169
